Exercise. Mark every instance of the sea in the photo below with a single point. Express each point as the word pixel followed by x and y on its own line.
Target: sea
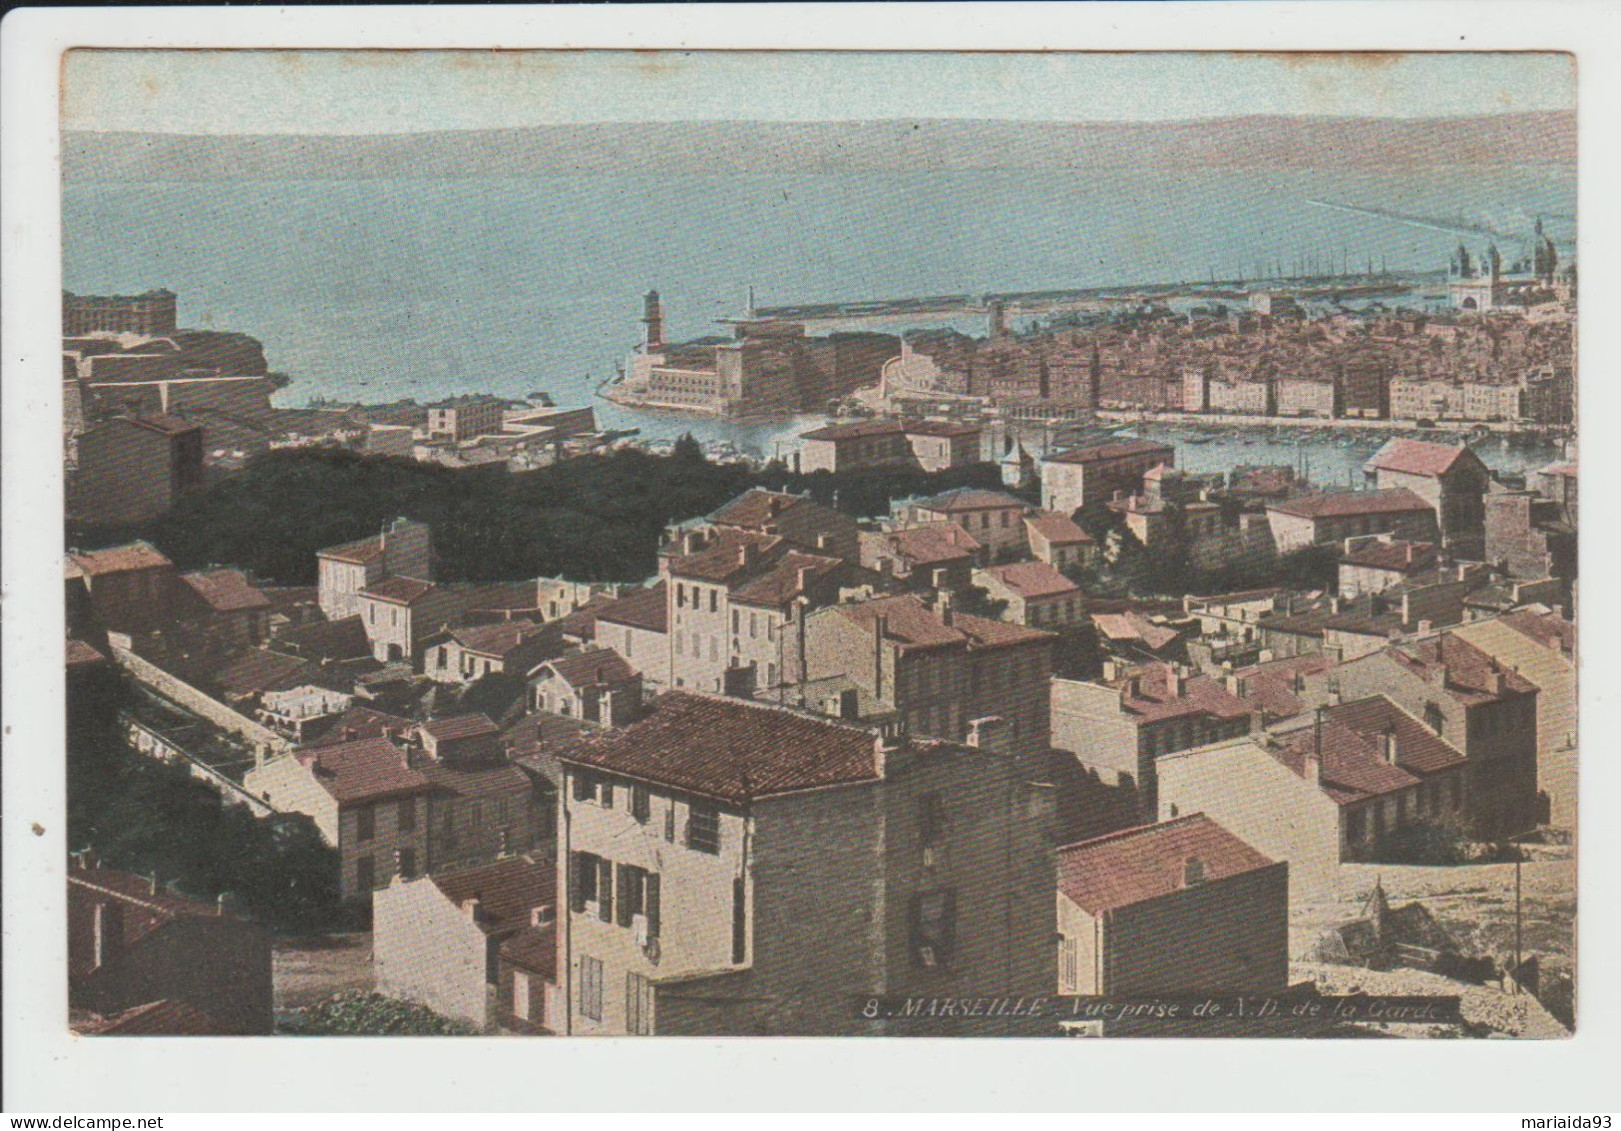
pixel 382 289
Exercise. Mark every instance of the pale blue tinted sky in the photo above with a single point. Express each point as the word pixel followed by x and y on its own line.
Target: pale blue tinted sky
pixel 384 92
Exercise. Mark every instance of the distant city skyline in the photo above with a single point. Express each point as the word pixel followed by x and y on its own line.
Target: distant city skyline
pixel 380 92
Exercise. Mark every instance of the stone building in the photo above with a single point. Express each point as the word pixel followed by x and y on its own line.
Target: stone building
pixel 994 518
pixel 134 468
pixel 151 313
pixel 1178 907
pixel 1036 593
pixel 930 668
pixel 1090 476
pixel 713 891
pixel 1316 520
pixel 1450 479
pixel 403 549
pixel 934 555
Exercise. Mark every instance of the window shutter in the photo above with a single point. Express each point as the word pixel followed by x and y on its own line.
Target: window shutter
pixel 624 895
pixel 605 890
pixel 576 882
pixel 652 899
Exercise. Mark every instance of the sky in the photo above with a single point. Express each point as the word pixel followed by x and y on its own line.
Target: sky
pixel 367 92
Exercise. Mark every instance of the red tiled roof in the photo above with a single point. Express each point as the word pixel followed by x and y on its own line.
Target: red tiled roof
pixel 367 769
pixel 1418 748
pixel 855 430
pixel 1469 671
pixel 732 750
pixel 226 590
pixel 1353 765
pixel 1134 626
pixel 1098 452
pixel 724 557
pixel 1544 628
pixel 358 552
pixel 508 891
pixel 494 639
pixel 254 671
pixel 342 639
pixel 1416 457
pixel 780 583
pixel 912 624
pixel 932 543
pixel 144 910
pixel 582 622
pixel 1057 529
pixel 118 559
pixel 1139 864
pixel 399 590
pixel 359 722
pixel 939 428
pixel 1396 556
pixel 1340 504
pixel 640 608
pixel 970 499
pixel 594 667
pixel 161 1018
pixel 460 726
pixel 1270 686
pixel 1033 579
pixel 756 507
pixel 533 948
pixel 78 652
pixel 1156 698
pixel 475 782
pixel 163 424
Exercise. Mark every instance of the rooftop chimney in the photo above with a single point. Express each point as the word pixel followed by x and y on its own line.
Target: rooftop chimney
pixel 1388 741
pixel 1176 681
pixel 746 554
pixel 474 909
pixel 108 932
pixel 988 733
pixel 1192 872
pixel 943 607
pixel 804 578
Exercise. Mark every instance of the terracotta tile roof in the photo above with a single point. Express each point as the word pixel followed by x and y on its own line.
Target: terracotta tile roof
pixel 970 499
pixel 359 722
pixel 1132 626
pixel 731 750
pixel 640 608
pixel 144 910
pixel 939 428
pixel 1157 699
pixel 1471 675
pixel 460 726
pixel 508 890
pixel 1546 629
pixel 582 622
pixel 399 590
pixel 594 667
pixel 1418 749
pixel 164 425
pixel 1271 686
pixel 932 543
pixel 1341 504
pixel 366 769
pixel 1098 452
pixel 1033 579
pixel 342 639
pixel 724 557
pixel 358 552
pixel 494 639
pixel 1135 865
pixel 756 507
pixel 256 670
pixel 1353 765
pixel 534 949
pixel 161 1018
pixel 1416 457
pixel 1057 529
pixel 912 624
pixel 1397 556
pixel 79 653
pixel 780 583
pixel 118 559
pixel 226 590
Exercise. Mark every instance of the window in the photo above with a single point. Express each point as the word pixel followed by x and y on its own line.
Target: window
pixel 365 874
pixel 520 995
pixel 736 617
pixel 714 600
pixel 640 803
pixel 680 595
pixel 444 655
pixel 585 788
pixel 1069 966
pixel 931 820
pixel 371 613
pixel 650 903
pixel 591 987
pixel 582 881
pixel 632 893
pixel 669 822
pixel 406 819
pixel 605 890
pixel 638 1005
pixel 365 822
pixel 394 617
pixel 407 863
pixel 739 922
pixel 754 626
pixel 934 929
pixel 703 829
